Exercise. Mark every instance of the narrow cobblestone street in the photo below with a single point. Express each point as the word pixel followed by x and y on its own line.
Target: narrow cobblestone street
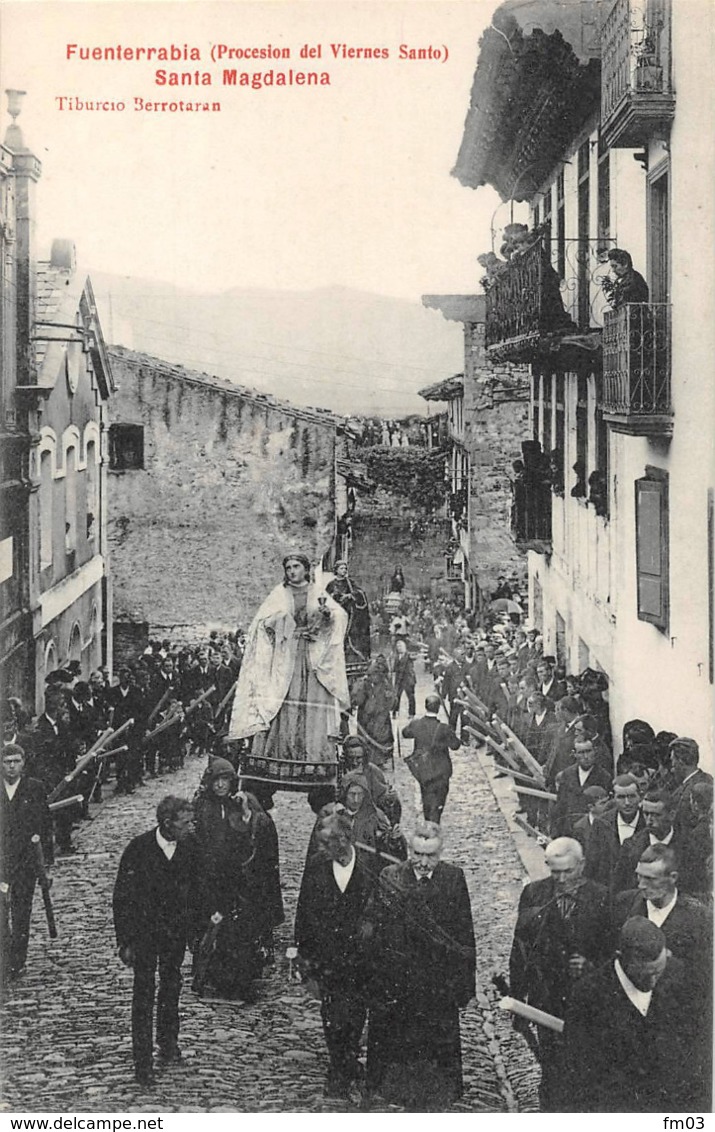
pixel 67 1025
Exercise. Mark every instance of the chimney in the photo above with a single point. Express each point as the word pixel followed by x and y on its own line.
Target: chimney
pixel 27 170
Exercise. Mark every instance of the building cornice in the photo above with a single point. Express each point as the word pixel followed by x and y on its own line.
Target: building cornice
pixel 531 94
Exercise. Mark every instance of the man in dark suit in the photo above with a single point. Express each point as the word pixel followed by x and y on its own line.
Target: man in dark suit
pixel 613 830
pixel 570 802
pixel 52 758
pixel 541 726
pixel 430 762
pixel 155 915
pixel 333 895
pixel 658 810
pixel 125 702
pixel 562 739
pixel 404 678
pixel 563 929
pixel 684 757
pixel 632 1035
pixel 419 937
pixel 23 814
pixel 549 686
pixel 686 924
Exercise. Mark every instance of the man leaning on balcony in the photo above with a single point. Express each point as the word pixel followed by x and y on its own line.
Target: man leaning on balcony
pixel 629 286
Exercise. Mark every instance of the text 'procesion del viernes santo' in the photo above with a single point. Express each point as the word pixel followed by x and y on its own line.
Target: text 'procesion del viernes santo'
pixel 183 72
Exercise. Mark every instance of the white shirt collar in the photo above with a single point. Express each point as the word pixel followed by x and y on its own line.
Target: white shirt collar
pixel 625 829
pixel 168 848
pixel 658 916
pixel 664 841
pixel 639 998
pixel 583 774
pixel 10 788
pixel 428 877
pixel 687 779
pixel 342 873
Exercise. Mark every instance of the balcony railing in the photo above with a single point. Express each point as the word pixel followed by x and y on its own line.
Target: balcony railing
pixel 636 368
pixel 524 301
pixel 637 98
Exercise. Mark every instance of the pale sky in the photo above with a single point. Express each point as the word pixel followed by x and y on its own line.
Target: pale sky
pixel 293 188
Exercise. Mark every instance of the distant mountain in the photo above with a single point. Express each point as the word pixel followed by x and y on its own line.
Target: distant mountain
pixel 350 351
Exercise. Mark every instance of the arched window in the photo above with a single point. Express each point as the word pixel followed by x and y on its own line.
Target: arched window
pixel 50 658
pixel 71 501
pixel 92 492
pixel 46 490
pixel 75 649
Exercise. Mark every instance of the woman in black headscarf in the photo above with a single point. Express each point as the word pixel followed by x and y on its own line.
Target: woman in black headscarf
pixel 374 696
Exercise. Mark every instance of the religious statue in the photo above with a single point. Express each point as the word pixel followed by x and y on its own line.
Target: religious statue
pixel 354 601
pixel 292 686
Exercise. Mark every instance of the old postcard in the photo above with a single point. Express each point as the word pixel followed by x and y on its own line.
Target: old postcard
pixel 356 558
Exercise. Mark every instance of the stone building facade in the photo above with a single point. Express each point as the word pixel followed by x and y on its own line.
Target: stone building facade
pixel 211 485
pixel 55 590
pixel 488 417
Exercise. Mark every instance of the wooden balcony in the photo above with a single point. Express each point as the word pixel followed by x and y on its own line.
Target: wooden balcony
pixel 637 97
pixel 636 369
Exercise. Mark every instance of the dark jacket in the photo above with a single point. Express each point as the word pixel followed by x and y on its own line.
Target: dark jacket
pixel 619 1061
pixel 20 819
pixel 49 754
pixel 403 674
pixel 544 941
pixel 421 938
pixel 155 900
pixel 687 930
pixel 570 801
pixel 629 854
pixel 433 742
pixel 326 919
pixel 684 817
pixel 604 848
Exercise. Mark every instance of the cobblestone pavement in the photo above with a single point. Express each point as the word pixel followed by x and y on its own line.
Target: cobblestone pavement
pixel 66 1025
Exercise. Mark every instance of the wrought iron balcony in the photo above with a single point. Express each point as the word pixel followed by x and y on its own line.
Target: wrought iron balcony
pixel 524 304
pixel 637 97
pixel 636 369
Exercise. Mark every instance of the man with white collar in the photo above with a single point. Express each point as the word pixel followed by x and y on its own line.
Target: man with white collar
pixel 549 686
pixel 633 1037
pixel 333 894
pixel 155 915
pixel 23 814
pixel 613 830
pixel 570 803
pixel 658 810
pixel 420 938
pixel 685 922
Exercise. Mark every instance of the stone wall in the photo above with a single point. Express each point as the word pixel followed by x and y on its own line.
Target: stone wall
pixel 496 417
pixel 382 540
pixel 232 481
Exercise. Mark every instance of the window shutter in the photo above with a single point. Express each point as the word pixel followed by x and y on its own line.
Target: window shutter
pixel 652 548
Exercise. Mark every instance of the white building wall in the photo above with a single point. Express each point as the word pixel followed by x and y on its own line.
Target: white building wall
pixel 590 579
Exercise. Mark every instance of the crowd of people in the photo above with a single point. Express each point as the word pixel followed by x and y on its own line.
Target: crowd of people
pixel 613 947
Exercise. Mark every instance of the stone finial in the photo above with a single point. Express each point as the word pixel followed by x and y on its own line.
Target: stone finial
pixel 13 135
